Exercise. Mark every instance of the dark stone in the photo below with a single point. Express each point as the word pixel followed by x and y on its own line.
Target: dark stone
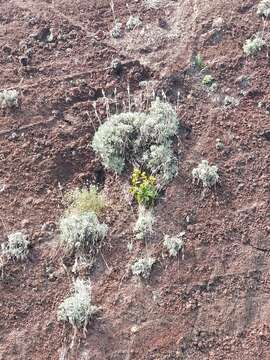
pixel 42 34
pixel 13 136
pixel 245 8
pixel 242 81
pixel 162 23
pixel 254 92
pixel 24 60
pixel 214 38
pixel 266 134
pixel 117 67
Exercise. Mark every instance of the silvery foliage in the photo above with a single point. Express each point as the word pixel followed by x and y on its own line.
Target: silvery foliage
pixel 253 46
pixel 264 8
pixel 205 173
pixel 117 30
pixel 78 308
pixel 174 243
pixel 82 232
pixel 154 4
pixel 138 136
pixel 230 101
pixel 219 144
pixel 144 224
pixel 133 22
pixel 161 162
pixel 143 267
pixel 208 80
pixel 17 246
pixel 114 139
pixel 8 98
pixel 161 124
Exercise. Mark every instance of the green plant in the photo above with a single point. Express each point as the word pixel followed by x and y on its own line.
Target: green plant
pixel 126 137
pixel 133 22
pixel 143 267
pixel 78 308
pixel 198 62
pixel 208 80
pixel 117 30
pixel 8 98
pixel 264 8
pixel 154 4
pixel 205 173
pixel 253 46
pixel 84 200
pixel 143 187
pixel 82 232
pixel 17 246
pixel 113 141
pixel 174 243
pixel 230 101
pixel 160 125
pixel 214 87
pixel 144 223
pixel 160 160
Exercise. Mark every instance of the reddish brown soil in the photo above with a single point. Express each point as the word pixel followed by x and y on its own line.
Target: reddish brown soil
pixel 214 302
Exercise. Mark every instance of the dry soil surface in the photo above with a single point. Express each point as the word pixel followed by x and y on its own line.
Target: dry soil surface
pixel 212 302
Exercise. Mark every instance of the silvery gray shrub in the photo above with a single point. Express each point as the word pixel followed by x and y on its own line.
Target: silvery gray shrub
pixel 17 246
pixel 143 267
pixel 206 174
pixel 144 224
pixel 78 309
pixel 82 232
pixel 174 243
pixel 133 22
pixel 9 98
pixel 264 8
pixel 142 136
pixel 253 46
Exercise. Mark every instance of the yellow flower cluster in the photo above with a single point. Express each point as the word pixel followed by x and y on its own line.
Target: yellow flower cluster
pixel 143 187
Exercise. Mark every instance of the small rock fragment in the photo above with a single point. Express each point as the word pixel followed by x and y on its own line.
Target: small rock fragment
pixel 24 60
pixel 266 134
pixel 162 23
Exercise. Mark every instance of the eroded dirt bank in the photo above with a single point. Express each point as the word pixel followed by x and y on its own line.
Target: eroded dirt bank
pixel 213 303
